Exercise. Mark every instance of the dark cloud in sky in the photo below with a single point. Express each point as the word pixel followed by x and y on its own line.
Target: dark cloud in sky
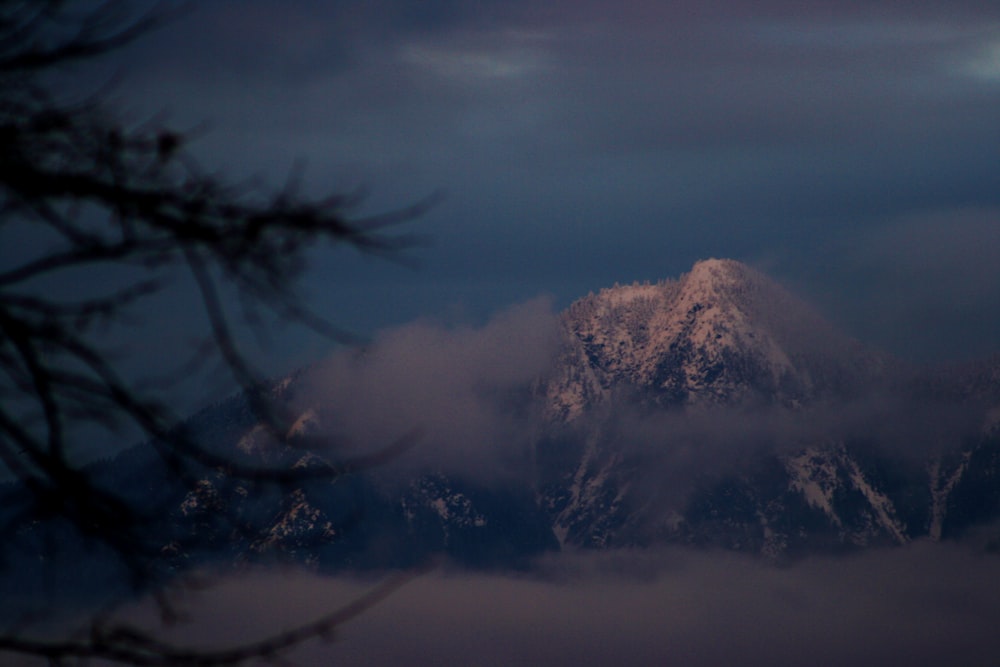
pixel 581 144
pixel 933 269
pixel 920 605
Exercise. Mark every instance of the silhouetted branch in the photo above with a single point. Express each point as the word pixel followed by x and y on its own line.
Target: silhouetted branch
pixel 38 35
pixel 107 195
pixel 130 645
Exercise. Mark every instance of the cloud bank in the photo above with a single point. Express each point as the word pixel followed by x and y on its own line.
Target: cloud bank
pixel 464 389
pixel 921 605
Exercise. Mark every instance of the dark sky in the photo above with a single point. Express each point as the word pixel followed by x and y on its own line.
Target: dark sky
pixel 851 150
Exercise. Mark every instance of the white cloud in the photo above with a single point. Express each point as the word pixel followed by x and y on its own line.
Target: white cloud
pixel 479 58
pixel 458 386
pixel 984 62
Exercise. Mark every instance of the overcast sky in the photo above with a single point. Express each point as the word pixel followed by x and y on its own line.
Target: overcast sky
pixel 849 149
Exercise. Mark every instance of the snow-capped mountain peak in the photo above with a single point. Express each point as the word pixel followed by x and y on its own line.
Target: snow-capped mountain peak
pixel 722 333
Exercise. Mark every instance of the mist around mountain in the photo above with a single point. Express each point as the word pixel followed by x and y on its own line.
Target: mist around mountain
pixel 716 414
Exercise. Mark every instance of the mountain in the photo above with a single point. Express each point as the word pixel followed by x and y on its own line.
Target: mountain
pixel 715 410
pixel 722 334
pixel 773 432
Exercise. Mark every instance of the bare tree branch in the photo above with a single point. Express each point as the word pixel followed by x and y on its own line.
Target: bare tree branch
pixel 129 645
pixel 30 41
pixel 107 195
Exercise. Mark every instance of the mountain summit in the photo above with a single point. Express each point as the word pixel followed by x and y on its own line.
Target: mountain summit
pixel 722 334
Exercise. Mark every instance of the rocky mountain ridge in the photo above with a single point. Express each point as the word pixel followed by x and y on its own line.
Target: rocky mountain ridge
pixel 717 410
pixel 721 334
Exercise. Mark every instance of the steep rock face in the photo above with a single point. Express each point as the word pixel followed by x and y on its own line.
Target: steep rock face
pixel 722 337
pixel 722 334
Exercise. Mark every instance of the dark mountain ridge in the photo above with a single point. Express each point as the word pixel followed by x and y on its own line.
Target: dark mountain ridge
pixel 714 410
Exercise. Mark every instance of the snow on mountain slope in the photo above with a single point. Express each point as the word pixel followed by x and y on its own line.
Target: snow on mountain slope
pixel 721 334
pixel 722 337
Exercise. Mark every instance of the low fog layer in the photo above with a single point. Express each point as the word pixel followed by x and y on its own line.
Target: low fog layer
pixel 920 605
